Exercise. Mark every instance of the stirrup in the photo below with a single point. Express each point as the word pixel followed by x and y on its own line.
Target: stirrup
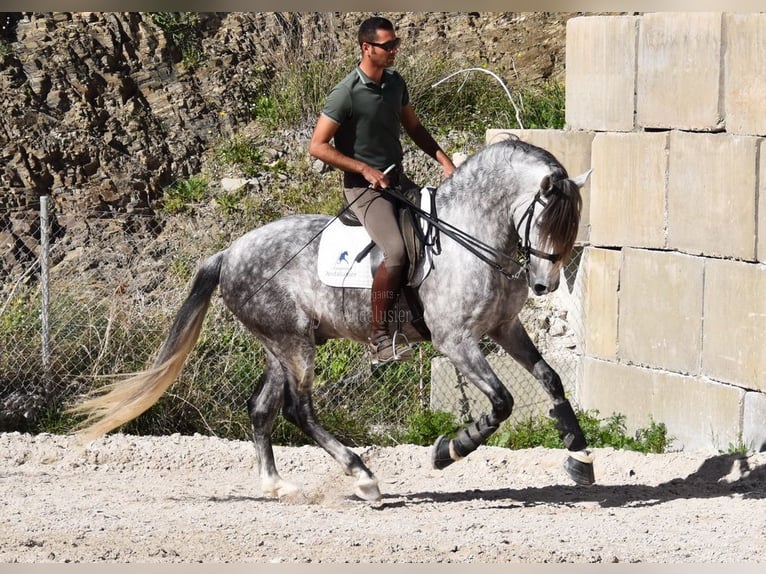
pixel 385 350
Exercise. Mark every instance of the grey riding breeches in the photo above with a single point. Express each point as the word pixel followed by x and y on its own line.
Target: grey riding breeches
pixel 378 216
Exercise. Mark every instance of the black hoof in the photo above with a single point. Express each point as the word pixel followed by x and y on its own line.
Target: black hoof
pixel 440 455
pixel 579 467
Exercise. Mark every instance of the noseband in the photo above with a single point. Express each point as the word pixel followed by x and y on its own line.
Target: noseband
pixel 525 248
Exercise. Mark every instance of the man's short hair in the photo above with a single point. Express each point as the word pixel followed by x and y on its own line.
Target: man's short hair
pixel 368 30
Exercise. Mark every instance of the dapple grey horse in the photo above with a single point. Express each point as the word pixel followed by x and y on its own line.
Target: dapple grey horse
pixel 513 199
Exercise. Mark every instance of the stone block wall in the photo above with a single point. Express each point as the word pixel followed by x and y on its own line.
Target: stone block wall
pixel 673 277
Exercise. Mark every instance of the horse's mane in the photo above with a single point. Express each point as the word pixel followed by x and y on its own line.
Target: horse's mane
pixel 560 220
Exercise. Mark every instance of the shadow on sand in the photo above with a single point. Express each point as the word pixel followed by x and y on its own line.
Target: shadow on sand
pixel 706 482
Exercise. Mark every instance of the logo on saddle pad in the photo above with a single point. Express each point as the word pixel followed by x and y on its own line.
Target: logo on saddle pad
pixel 340 245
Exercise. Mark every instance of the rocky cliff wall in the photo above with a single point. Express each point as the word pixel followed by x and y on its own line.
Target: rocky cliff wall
pixel 100 111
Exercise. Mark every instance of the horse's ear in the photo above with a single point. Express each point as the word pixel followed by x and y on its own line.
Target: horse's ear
pixel 546 185
pixel 582 179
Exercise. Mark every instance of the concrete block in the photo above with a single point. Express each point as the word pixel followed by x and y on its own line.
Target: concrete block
pixel 745 73
pixel 571 148
pixel 600 287
pixel 660 321
pixel 612 388
pixel 712 194
pixel 700 415
pixel 452 393
pixel 753 427
pixel 761 225
pixel 734 332
pixel 679 71
pixel 601 73
pixel 628 197
pixel 570 294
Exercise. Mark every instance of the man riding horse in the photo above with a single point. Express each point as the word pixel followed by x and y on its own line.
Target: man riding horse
pixel 362 115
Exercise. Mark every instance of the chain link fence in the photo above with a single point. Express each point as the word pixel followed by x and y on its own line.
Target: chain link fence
pixel 68 321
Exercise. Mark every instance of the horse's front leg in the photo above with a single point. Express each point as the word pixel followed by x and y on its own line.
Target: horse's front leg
pixel 466 356
pixel 514 339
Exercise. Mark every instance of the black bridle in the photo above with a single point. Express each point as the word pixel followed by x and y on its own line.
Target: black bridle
pixel 525 247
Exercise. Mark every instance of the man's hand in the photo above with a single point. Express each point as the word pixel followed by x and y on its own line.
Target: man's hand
pixel 376 178
pixel 447 166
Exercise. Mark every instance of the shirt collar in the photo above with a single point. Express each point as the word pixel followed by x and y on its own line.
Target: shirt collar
pixel 364 77
pixel 367 80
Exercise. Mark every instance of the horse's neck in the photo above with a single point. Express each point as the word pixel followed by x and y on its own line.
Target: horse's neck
pixel 479 211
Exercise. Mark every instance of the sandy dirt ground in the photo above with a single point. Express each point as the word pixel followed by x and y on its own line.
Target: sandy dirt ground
pixel 197 499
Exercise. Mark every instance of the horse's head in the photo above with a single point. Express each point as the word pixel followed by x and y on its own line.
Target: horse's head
pixel 548 228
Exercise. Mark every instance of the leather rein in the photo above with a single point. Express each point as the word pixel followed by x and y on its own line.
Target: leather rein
pixel 485 252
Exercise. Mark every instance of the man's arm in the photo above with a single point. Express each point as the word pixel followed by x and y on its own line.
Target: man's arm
pixel 424 140
pixel 320 148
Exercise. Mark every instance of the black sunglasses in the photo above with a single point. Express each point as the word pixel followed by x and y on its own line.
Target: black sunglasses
pixel 387 46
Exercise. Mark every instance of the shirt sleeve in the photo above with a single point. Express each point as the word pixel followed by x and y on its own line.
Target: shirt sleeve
pixel 337 107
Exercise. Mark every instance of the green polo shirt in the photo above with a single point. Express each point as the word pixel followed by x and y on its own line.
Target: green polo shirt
pixel 368 115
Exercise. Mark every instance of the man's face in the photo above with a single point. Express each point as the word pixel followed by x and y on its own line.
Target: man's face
pixel 379 54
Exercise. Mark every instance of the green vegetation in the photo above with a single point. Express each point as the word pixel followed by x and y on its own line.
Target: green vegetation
pixel 243 153
pixel 289 89
pixel 425 426
pixel 738 448
pixel 542 107
pixel 179 197
pixel 292 93
pixel 183 29
pixel 88 338
pixel 609 432
pixel 5 49
pixel 473 101
pixel 384 406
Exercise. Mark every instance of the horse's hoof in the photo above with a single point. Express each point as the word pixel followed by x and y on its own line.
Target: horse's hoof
pixel 367 489
pixel 579 467
pixel 279 489
pixel 441 454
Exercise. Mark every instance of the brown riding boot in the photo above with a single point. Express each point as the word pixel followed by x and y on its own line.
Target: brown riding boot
pixel 383 347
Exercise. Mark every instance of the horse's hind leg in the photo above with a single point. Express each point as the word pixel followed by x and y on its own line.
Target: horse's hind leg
pixel 514 339
pixel 263 407
pixel 466 356
pixel 299 409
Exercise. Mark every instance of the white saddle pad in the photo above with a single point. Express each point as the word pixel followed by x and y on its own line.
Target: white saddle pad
pixel 340 244
pixel 338 248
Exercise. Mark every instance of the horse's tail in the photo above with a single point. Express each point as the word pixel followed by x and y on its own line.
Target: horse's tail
pixel 119 402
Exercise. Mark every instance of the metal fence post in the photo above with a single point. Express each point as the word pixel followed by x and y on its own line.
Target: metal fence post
pixel 44 246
